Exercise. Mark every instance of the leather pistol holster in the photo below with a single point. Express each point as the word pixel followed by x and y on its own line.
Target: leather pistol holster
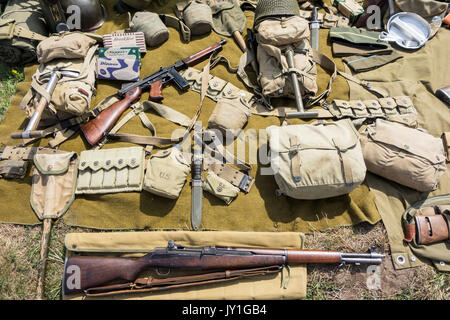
pixel 431 228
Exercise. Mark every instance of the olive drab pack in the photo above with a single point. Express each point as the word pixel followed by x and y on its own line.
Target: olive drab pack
pixel 278 30
pixel 72 56
pixel 408 156
pixel 316 161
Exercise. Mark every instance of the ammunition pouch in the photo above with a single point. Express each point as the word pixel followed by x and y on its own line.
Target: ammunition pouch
pixel 408 156
pixel 53 183
pixel 13 169
pixel 333 145
pixel 220 188
pixel 167 172
pixel 111 170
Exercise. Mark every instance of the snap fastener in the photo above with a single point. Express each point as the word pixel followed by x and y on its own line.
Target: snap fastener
pixel 108 162
pixel 120 161
pixel 413 259
pixel 95 163
pixel 442 263
pixel 133 161
pixel 215 84
pixel 83 164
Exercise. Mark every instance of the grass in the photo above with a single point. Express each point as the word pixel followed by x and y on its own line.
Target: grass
pixel 9 77
pixel 20 253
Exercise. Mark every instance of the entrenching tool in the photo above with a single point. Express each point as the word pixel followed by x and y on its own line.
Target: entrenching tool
pixel 54 75
pixel 298 96
pixel 229 20
pixel 52 192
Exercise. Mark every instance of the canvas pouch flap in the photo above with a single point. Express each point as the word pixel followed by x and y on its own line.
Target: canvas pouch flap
pixel 136 244
pixel 53 183
pixel 219 187
pixel 111 170
pixel 52 163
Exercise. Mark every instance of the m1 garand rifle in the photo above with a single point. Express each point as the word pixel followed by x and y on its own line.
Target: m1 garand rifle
pixel 98 127
pixel 93 274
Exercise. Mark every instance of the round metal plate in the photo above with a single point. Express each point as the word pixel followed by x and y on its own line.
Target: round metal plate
pixel 408 30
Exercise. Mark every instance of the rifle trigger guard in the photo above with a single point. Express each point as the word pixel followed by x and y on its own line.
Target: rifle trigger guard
pixel 162 274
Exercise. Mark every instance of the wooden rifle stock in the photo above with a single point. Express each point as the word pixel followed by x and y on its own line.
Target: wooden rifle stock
pixel 92 271
pixel 97 128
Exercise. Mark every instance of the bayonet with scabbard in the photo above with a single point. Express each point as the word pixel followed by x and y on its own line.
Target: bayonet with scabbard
pixel 197 182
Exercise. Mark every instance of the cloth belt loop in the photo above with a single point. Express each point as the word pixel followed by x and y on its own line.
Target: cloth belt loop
pixel 295 159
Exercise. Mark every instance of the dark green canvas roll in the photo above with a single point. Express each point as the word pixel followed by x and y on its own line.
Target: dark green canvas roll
pixel 27 17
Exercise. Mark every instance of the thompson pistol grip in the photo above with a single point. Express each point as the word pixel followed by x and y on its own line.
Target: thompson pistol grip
pixel 156 91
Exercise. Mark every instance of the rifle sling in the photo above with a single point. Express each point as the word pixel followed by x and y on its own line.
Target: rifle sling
pixel 150 284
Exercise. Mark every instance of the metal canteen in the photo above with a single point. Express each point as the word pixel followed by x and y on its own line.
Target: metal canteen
pixel 407 29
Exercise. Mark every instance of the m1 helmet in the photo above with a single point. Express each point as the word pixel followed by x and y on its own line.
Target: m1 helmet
pixel 276 8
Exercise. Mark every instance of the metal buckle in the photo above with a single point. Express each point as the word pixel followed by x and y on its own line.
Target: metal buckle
pixel 245 183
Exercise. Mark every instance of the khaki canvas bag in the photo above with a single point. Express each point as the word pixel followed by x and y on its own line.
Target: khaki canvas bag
pixel 273 36
pixel 408 156
pixel 316 161
pixel 167 172
pixel 72 96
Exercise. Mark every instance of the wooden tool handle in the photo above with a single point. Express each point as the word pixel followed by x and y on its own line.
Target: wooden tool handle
pixel 45 242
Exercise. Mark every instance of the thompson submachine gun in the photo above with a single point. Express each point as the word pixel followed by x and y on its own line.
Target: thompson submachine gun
pixel 91 274
pixel 98 127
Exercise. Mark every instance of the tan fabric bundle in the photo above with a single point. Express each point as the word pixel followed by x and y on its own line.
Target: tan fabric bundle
pixel 64 46
pixel 68 53
pixel 408 156
pixel 273 35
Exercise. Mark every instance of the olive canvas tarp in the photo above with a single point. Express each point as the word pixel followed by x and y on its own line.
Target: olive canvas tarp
pixel 418 74
pixel 259 210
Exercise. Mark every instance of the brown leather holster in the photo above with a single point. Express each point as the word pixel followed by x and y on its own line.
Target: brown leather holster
pixel 430 226
pixel 150 284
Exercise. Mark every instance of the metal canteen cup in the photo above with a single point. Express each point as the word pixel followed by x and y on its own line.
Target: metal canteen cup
pixel 408 30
